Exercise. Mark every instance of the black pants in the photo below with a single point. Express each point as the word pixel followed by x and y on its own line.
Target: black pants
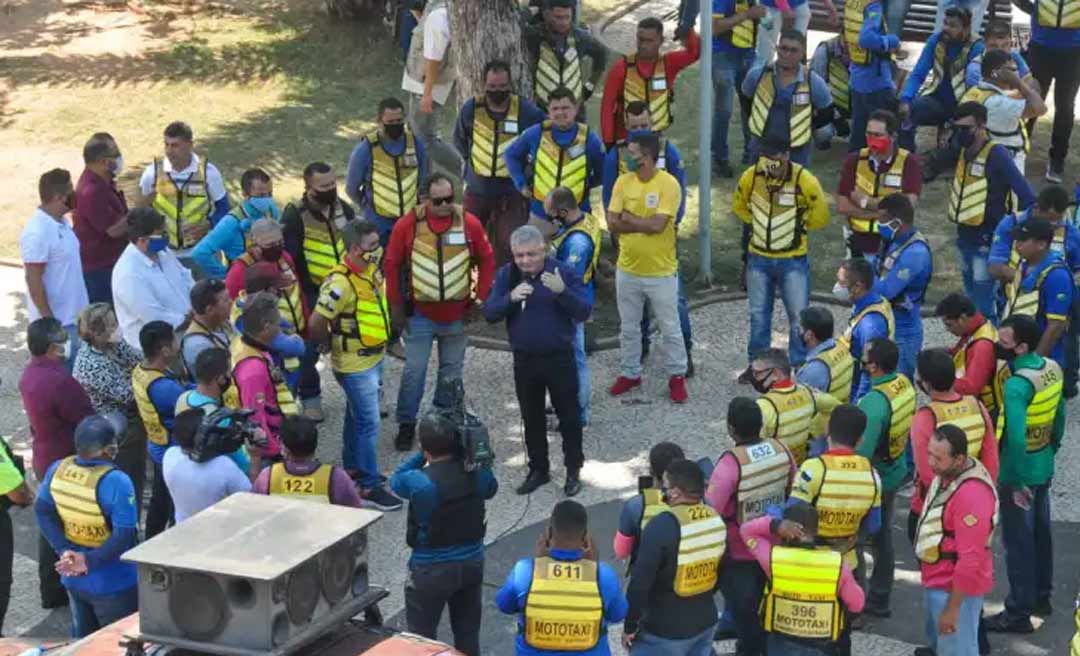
pixel 52 591
pixel 131 458
pixel 160 513
pixel 457 585
pixel 742 582
pixel 537 375
pixel 7 561
pixel 1062 66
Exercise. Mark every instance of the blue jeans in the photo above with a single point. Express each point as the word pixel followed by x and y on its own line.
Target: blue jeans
pixel 862 105
pixel 90 613
pixel 780 645
pixel 965 641
pixel 978 285
pixel 909 340
pixel 99 285
pixel 647 644
pixel 895 10
pixel 729 71
pixel 1029 550
pixel 765 276
pixel 584 392
pixel 925 110
pixel 361 428
pixel 420 334
pixel 742 582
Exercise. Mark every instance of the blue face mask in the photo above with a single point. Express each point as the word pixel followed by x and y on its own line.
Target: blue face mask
pixel 887 231
pixel 157 244
pixel 262 206
pixel 638 133
pixel 631 163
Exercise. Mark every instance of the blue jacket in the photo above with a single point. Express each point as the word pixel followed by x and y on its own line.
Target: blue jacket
pixel 1001 247
pixel 528 115
pixel 512 597
pixel 905 284
pixel 1002 177
pixel 869 327
pixel 576 252
pixel 106 573
pixel 360 172
pixel 226 238
pixel 1056 299
pixel 814 373
pixel 673 164
pixel 521 153
pixel 412 484
pixel 877 73
pixel 163 394
pixel 944 91
pixel 545 322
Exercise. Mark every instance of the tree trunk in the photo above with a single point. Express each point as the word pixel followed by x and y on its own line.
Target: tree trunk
pixel 482 30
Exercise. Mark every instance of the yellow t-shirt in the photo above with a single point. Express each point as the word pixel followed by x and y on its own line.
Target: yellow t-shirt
pixel 336 297
pixel 641 254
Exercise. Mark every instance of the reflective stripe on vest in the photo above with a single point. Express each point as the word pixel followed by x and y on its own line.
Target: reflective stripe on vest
pixel 1042 410
pixel 889 261
pixel 841 367
pixel 652 504
pixel 74 491
pixel 394 178
pixel 847 493
pixel 1058 14
pixel 853 22
pixel 967 196
pixel 991 393
pixel 311 487
pixel 881 307
pixel 554 71
pixel 286 403
pixel 880 184
pixel 652 91
pixel 799 111
pixel 141 379
pixel 368 326
pixel 980 95
pixel 1028 302
pixel 744 33
pixel 764 472
pixel 490 138
pixel 802 595
pixel 900 394
pixel 702 541
pixel 966 414
pixel 556 166
pixel 795 411
pixel 930 532
pixel 290 299
pixel 440 263
pixel 197 329
pixel 777 217
pixel 323 246
pixel 839 78
pixel 1057 245
pixel 563 609
pixel 590 227
pixel 181 204
pixel 957 67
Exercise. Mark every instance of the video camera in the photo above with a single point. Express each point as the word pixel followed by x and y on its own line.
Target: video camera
pixel 474 443
pixel 223 431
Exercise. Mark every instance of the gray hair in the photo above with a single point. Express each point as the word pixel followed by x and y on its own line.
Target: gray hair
pixel 92 320
pixel 526 235
pixel 265 228
pixel 775 358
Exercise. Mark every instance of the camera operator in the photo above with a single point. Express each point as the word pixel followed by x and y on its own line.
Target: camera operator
pixel 195 485
pixel 302 475
pixel 446 532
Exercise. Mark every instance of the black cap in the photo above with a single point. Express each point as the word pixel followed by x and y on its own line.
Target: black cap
pixel 1033 229
pixel 774 146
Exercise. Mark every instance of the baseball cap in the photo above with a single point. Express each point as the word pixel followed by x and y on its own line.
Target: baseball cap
pixel 1033 229
pixel 94 433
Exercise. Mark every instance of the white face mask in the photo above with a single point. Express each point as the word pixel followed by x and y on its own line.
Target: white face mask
pixel 840 291
pixel 67 349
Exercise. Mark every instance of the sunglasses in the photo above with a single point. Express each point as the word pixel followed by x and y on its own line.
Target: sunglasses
pixel 445 200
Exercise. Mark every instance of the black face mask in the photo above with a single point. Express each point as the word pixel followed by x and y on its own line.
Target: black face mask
pixel 664 495
pixel 761 385
pixel 965 136
pixel 1002 353
pixel 498 97
pixel 394 130
pixel 325 197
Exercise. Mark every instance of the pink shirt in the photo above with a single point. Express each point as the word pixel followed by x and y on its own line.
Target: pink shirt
pixel 967 516
pixel 759 534
pixel 257 393
pixel 720 495
pixel 922 427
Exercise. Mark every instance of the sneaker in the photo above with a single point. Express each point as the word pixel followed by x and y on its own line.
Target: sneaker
pixel 380 499
pixel 1054 171
pixel 623 385
pixel 405 436
pixel 723 170
pixel 533 481
pixel 573 483
pixel 746 377
pixel 1002 623
pixel 677 389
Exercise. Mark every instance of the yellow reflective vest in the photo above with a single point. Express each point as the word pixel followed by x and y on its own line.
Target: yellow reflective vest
pixel 802 597
pixel 556 166
pixel 853 22
pixel 1047 382
pixel 981 94
pixel 285 402
pixel 490 137
pixel 958 68
pixel 966 414
pixel 967 196
pixel 141 379
pixel 877 184
pixel 554 70
pixel 841 366
pixel 764 476
pixel 291 300
pixel 839 78
pixel 182 205
pixel 795 409
pixel 311 487
pixel 702 541
pixel 590 227
pixel 366 330
pixel 653 91
pixel 1057 245
pixel 1028 301
pixel 744 34
pixel 900 394
pixel 849 488
pixel 799 112
pixel 74 491
pixel 777 214
pixel 1058 14
pixel 930 532
pixel 883 308
pixel 652 504
pixel 563 610
pixel 991 394
pixel 394 178
pixel 440 264
pixel 323 246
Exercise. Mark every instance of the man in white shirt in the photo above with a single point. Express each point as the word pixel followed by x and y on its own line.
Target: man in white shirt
pixel 50 256
pixel 1009 100
pixel 429 77
pixel 149 282
pixel 186 190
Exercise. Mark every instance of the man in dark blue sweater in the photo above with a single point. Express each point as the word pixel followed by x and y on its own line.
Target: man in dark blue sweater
pixel 541 304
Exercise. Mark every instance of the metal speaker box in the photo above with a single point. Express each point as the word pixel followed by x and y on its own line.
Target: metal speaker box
pixel 254 574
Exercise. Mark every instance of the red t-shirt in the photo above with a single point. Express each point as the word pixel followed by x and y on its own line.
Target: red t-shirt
pixel 98 206
pixel 910 183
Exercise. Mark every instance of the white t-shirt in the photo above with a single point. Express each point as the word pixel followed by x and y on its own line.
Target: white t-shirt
pixel 44 240
pixel 436 41
pixel 1003 114
pixel 195 486
pixel 215 186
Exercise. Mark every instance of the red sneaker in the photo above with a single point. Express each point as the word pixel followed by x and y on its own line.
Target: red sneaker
pixel 677 389
pixel 623 385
